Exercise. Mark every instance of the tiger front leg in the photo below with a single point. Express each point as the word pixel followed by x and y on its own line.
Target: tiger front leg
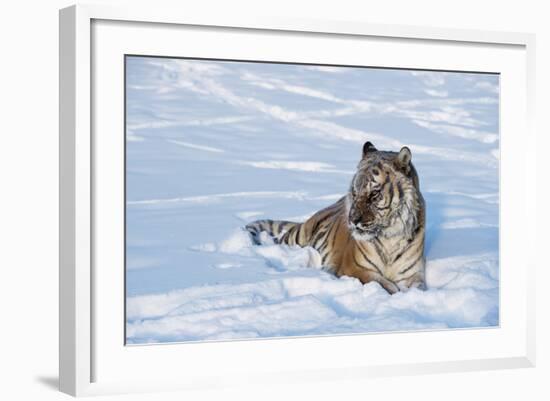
pixel 386 284
pixel 417 280
pixel 366 276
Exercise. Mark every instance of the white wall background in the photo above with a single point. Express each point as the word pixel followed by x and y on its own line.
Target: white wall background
pixel 29 185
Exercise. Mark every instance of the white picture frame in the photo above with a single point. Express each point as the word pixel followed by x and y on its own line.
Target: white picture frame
pixel 89 340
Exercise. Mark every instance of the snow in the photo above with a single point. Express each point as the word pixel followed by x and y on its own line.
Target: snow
pixel 213 145
pixel 196 146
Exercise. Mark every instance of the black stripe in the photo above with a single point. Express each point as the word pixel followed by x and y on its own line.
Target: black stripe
pixel 367 259
pixel 406 278
pixel 333 229
pixel 400 189
pixel 411 265
pixel 321 247
pixel 318 223
pixel 323 240
pixel 365 267
pixel 335 235
pixel 297 235
pixel 285 239
pixel 391 190
pixel 318 237
pixel 402 252
pixel 330 213
pixel 292 233
pixel 260 226
pixel 409 246
pixel 381 250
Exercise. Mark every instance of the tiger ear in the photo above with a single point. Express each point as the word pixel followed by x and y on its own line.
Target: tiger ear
pixel 368 147
pixel 403 159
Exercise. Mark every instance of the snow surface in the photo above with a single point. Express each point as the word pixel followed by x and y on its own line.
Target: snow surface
pixel 213 145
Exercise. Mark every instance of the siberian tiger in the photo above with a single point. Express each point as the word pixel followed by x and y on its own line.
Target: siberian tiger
pixel 375 232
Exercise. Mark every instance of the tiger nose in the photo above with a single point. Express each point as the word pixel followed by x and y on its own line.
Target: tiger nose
pixel 355 218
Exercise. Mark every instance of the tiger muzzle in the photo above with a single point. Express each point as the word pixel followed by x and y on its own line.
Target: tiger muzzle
pixel 361 221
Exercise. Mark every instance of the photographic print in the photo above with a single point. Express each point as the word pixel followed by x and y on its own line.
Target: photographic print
pixel 268 200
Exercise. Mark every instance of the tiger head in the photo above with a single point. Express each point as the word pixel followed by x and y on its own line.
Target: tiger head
pixel 384 197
